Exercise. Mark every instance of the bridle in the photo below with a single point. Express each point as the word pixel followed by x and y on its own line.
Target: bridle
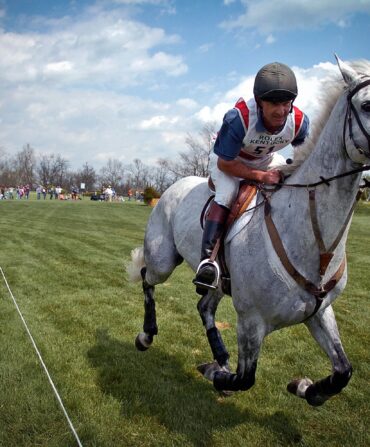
pixel 351 109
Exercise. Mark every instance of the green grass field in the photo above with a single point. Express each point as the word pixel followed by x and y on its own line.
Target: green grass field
pixel 64 264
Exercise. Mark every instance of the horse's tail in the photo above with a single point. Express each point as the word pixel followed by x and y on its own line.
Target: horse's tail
pixel 133 268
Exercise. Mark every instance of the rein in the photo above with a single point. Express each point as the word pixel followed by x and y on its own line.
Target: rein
pixel 324 181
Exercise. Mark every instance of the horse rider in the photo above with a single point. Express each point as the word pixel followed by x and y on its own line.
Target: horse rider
pixel 246 148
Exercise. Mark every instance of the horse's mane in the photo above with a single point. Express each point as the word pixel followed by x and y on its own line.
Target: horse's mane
pixel 327 97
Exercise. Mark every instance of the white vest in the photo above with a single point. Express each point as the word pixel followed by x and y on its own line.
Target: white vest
pixel 260 144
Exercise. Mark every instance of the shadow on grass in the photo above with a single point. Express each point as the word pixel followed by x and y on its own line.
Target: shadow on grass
pixel 154 384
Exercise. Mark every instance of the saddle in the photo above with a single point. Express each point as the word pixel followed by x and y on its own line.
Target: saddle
pixel 246 193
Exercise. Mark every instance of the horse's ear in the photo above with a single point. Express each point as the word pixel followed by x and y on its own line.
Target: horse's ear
pixel 348 73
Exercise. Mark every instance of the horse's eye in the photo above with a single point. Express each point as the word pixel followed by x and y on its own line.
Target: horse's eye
pixel 365 106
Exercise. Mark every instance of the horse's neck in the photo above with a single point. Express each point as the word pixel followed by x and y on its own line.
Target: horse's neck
pixel 328 159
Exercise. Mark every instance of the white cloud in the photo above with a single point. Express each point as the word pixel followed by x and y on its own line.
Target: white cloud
pixel 83 125
pixel 65 90
pixel 59 67
pixel 187 103
pixel 270 39
pixel 205 47
pixel 156 122
pixel 103 48
pixel 268 16
pixel 159 62
pixel 213 114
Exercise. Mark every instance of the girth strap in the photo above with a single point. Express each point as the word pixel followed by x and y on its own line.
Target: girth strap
pixel 318 292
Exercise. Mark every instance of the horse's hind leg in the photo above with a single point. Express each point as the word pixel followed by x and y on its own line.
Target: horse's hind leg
pixel 323 328
pixel 160 261
pixel 145 338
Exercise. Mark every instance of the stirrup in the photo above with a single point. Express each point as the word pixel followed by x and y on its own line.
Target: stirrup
pixel 203 285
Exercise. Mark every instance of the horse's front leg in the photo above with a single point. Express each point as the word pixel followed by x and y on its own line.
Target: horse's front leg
pixel 207 307
pixel 323 328
pixel 251 332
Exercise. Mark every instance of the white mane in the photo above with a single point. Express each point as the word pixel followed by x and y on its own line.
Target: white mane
pixel 328 97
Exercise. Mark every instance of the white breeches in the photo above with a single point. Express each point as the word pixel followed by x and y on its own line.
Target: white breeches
pixel 227 187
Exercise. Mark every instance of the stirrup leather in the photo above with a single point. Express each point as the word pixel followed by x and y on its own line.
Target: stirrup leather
pixel 214 285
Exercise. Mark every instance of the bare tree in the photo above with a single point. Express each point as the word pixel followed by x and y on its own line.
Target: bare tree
pixel 195 160
pixel 162 177
pixel 52 170
pixel 139 174
pixel 112 174
pixel 86 175
pixel 8 176
pixel 25 165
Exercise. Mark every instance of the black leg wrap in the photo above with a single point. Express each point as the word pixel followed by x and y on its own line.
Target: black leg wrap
pixel 142 273
pixel 217 345
pixel 224 381
pixel 317 393
pixel 150 320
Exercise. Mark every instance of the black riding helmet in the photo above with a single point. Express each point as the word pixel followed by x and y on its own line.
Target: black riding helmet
pixel 275 82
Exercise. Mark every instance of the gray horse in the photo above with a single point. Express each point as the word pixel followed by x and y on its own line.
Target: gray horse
pixel 288 264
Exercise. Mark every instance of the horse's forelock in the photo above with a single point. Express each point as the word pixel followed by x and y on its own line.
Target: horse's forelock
pixel 327 97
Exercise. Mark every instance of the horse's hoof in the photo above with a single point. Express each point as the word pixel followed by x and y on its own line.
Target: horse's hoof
pixel 208 369
pixel 298 387
pixel 143 341
pixel 226 393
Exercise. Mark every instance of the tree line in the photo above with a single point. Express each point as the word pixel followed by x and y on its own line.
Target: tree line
pixel 27 168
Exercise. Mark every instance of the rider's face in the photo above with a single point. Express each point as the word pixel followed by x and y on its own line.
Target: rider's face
pixel 275 113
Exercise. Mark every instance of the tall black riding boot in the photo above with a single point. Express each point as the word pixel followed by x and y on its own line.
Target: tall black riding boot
pixel 207 274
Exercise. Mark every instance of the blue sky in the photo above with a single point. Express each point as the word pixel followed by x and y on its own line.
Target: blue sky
pixel 125 79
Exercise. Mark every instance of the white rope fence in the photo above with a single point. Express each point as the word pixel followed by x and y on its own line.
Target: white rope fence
pixel 43 364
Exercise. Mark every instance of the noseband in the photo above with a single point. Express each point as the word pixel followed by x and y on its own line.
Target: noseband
pixel 351 108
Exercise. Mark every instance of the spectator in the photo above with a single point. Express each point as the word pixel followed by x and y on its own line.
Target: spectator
pixel 38 192
pixel 58 192
pixel 109 193
pixel 74 193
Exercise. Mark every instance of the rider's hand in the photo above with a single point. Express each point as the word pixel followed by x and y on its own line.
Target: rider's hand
pixel 272 177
